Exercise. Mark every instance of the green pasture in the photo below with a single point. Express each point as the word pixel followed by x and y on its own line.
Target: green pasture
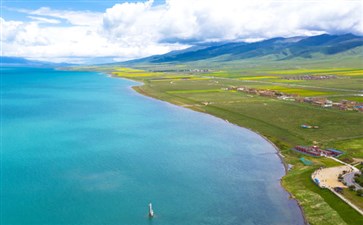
pixel 320 206
pixel 299 91
pixel 194 91
pixel 352 196
pixel 282 121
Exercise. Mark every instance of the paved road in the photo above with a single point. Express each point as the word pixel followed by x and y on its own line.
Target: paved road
pixel 292 85
pixel 352 167
pixel 307 86
pixel 349 179
pixel 347 201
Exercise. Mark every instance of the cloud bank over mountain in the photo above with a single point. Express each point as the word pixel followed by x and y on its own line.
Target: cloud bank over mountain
pixel 138 29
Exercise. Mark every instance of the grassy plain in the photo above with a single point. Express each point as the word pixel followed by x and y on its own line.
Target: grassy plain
pixel 278 120
pixel 352 196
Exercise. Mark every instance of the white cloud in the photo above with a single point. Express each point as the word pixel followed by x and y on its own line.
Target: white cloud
pixel 52 43
pixel 44 20
pixel 9 29
pixel 232 19
pixel 78 18
pixel 132 30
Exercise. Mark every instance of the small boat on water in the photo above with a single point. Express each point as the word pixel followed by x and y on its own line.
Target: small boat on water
pixel 151 211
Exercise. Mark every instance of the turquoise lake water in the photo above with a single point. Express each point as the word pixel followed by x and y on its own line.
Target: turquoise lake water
pixel 84 148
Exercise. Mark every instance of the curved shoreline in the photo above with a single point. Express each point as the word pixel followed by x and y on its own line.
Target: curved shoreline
pixel 278 152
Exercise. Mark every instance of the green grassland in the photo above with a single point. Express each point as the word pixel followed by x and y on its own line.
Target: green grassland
pixel 320 205
pixel 352 196
pixel 277 120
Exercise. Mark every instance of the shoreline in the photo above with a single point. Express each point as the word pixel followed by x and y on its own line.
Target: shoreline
pixel 277 150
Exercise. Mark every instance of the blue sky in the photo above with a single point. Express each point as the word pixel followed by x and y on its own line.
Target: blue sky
pixel 93 5
pixel 77 30
pixel 76 5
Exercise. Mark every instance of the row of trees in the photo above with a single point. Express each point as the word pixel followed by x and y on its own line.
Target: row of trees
pixel 358 178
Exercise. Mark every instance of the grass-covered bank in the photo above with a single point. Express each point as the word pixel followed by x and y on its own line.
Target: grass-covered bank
pixel 275 119
pixel 320 206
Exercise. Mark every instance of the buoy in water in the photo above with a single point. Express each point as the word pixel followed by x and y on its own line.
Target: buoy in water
pixel 151 211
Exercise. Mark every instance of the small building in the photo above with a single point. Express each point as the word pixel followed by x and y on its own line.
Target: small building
pixel 317 152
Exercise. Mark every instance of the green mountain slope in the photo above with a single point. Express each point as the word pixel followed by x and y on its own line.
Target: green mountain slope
pixel 273 49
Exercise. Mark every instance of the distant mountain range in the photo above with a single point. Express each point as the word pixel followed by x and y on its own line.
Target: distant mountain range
pixel 18 61
pixel 275 49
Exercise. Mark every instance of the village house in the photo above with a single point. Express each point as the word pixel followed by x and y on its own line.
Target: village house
pixel 318 101
pixel 311 77
pixel 317 151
